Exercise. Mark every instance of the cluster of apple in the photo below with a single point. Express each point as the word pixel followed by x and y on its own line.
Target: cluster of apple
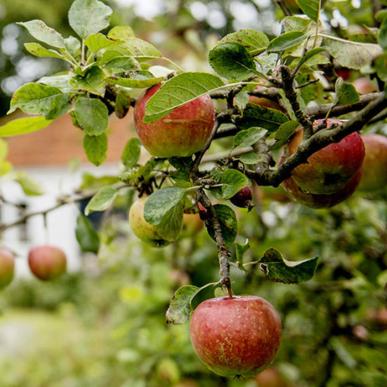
pixel 45 262
pixel 240 335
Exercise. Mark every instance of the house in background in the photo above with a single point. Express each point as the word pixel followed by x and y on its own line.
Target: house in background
pixel 45 156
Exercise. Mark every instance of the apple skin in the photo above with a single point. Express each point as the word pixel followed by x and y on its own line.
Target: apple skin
pixel 374 168
pixel 192 224
pixel 243 198
pixel 47 262
pixel 321 200
pixel 235 336
pixel 182 132
pixel 364 85
pixel 328 170
pixel 271 377
pixel 142 229
pixel 7 267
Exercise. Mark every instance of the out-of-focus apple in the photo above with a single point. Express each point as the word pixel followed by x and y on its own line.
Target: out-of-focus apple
pixel 364 85
pixel 7 267
pixel 271 377
pixel 192 224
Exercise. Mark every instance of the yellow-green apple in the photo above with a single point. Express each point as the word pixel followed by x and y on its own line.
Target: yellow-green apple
pixel 271 377
pixel 7 267
pixel 142 229
pixel 374 170
pixel 192 224
pixel 47 262
pixel 364 85
pixel 235 336
pixel 182 132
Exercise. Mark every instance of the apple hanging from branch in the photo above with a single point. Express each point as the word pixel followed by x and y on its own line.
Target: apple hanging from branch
pixel 7 267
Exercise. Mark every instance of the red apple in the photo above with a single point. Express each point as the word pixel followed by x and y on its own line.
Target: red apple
pixel 47 262
pixel 328 170
pixel 321 200
pixel 235 336
pixel 343 72
pixel 142 229
pixel 374 168
pixel 364 85
pixel 243 198
pixel 7 267
pixel 182 132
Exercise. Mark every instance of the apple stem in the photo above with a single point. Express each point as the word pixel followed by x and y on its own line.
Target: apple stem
pixel 224 253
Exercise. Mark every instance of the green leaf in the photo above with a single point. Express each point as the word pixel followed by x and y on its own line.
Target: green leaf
pixel 164 209
pixel 37 98
pixel 249 158
pixel 73 46
pixel 284 132
pixel 92 115
pixel 240 250
pixel 40 31
pixel 353 55
pixel 259 116
pixel 61 82
pixel 278 269
pixel 122 104
pixel 248 137
pixel 91 81
pixel 121 64
pixel 98 41
pixel 91 182
pixel 38 50
pixel 310 54
pixel 95 148
pixel 179 309
pixel 380 65
pixel 254 41
pixel 228 223
pixel 102 200
pixel 29 186
pixel 310 8
pixel 121 33
pixel 382 37
pixel 286 41
pixel 138 79
pixel 23 126
pixel 232 61
pixel 86 235
pixel 345 92
pixel 232 181
pixel 295 23
pixel 179 90
pixel 140 48
pixel 87 17
pixel 131 153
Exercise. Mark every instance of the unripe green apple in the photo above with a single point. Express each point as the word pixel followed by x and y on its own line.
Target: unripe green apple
pixel 374 177
pixel 182 132
pixel 328 170
pixel 271 377
pixel 7 267
pixel 192 224
pixel 47 262
pixel 235 336
pixel 142 229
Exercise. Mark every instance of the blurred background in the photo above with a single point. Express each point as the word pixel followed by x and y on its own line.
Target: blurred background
pixel 103 323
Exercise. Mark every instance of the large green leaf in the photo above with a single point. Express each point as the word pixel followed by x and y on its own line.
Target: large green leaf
pixel 40 31
pixel 382 37
pixel 232 182
pixel 310 8
pixel 278 269
pixel 228 223
pixel 248 137
pixel 102 200
pixel 345 92
pixel 138 79
pixel 36 98
pixel 179 308
pixel 61 82
pixel 232 61
pixel 164 209
pixel 29 186
pixel 179 90
pixel 353 55
pixel 95 148
pixel 86 235
pixel 23 126
pixel 121 33
pixel 254 41
pixel 140 48
pixel 91 81
pixel 98 41
pixel 131 152
pixel 92 115
pixel 87 17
